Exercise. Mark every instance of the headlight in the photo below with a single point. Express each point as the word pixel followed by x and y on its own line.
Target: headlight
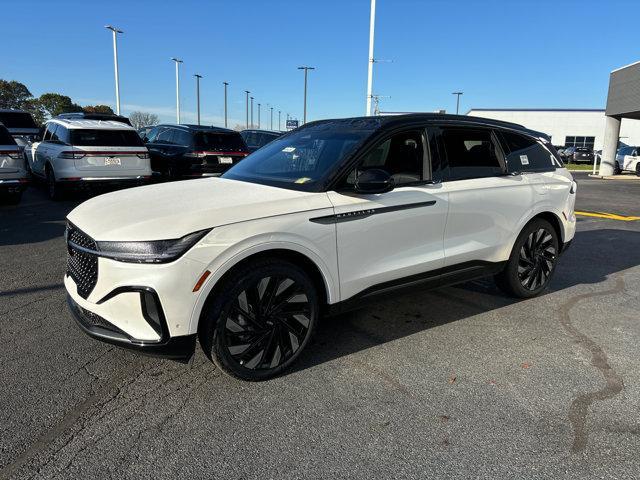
pixel 158 251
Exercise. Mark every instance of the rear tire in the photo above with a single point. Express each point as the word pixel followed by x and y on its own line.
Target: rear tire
pixel 532 262
pixel 260 320
pixel 638 169
pixel 54 189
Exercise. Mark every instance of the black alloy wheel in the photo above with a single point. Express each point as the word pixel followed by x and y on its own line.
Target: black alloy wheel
pixel 532 262
pixel 537 259
pixel 261 323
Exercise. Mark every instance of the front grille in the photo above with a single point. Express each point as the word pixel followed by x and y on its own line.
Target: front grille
pixel 82 267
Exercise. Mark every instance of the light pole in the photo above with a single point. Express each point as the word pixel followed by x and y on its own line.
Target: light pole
pixel 279 113
pixel 306 71
pixel 251 112
pixel 247 92
pixel 115 32
pixel 372 23
pixel 271 118
pixel 457 94
pixel 177 62
pixel 259 115
pixel 225 104
pixel 198 77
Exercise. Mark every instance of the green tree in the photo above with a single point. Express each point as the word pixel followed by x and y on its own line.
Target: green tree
pixel 98 109
pixel 13 94
pixel 54 104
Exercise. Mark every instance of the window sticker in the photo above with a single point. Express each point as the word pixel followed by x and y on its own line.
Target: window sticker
pixel 289 149
pixel 524 160
pixel 302 180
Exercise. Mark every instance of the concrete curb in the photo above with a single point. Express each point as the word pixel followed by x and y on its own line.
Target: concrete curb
pixel 616 177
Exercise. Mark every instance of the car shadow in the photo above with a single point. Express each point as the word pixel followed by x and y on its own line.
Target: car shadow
pixel 593 256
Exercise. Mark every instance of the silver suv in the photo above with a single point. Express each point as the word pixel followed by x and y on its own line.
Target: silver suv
pixel 14 176
pixel 80 152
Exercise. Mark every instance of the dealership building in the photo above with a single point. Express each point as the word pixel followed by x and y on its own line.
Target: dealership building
pixel 566 127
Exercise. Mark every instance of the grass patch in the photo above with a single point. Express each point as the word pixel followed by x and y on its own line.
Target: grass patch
pixel 582 166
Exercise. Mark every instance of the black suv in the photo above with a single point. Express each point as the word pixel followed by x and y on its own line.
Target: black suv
pixel 179 151
pixel 579 154
pixel 256 139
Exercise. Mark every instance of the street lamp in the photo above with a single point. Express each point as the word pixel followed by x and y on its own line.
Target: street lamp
pixel 457 94
pixel 271 118
pixel 306 71
pixel 198 77
pixel 226 84
pixel 177 62
pixel 247 103
pixel 115 32
pixel 279 113
pixel 251 112
pixel 372 23
pixel 259 114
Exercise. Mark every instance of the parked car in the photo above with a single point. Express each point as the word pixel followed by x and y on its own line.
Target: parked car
pixel 187 151
pixel 14 176
pixel 27 147
pixel 94 116
pixel 256 139
pixel 627 159
pixel 579 155
pixel 322 219
pixel 19 123
pixel 89 152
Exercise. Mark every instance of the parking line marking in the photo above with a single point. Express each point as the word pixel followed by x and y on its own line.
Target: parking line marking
pixel 609 216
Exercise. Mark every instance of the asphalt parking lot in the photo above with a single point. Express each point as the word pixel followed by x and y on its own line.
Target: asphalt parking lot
pixel 460 382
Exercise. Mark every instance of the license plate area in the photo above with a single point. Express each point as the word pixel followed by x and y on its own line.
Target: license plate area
pixel 112 161
pixel 225 160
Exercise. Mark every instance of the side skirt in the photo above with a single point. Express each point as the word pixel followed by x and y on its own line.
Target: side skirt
pixel 442 277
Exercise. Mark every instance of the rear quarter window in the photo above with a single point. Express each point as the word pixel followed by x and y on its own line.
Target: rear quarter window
pixel 526 154
pixel 5 138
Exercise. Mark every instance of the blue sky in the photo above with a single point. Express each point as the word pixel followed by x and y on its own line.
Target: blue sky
pixel 500 53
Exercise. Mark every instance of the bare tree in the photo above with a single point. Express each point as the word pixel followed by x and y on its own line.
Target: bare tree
pixel 239 127
pixel 143 119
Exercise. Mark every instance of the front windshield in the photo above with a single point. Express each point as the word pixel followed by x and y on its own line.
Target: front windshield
pixel 302 159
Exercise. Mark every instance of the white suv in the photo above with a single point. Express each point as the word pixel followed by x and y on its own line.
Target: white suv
pixel 627 159
pixel 328 216
pixel 76 152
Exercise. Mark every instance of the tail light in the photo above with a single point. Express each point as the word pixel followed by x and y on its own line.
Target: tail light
pixel 71 154
pixel 143 156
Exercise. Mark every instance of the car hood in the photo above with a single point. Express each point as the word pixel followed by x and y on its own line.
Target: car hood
pixel 172 210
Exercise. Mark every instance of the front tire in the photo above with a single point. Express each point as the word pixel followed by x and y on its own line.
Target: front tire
pixel 638 169
pixel 532 261
pixel 261 319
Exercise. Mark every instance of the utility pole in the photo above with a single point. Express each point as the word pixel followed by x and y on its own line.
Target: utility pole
pixel 271 119
pixel 279 114
pixel 198 77
pixel 115 32
pixel 457 94
pixel 372 23
pixel 177 62
pixel 259 115
pixel 247 92
pixel 226 84
pixel 306 71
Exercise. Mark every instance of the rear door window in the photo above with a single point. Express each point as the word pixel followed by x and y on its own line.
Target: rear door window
pixel 181 137
pixel 105 138
pixel 469 152
pixel 165 136
pixel 525 154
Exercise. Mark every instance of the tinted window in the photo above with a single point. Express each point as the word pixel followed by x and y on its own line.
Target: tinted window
pixel 181 137
pixel 105 138
pixel 526 154
pixel 152 134
pixel 220 142
pixel 5 138
pixel 48 133
pixel 469 153
pixel 17 120
pixel 165 136
pixel 402 156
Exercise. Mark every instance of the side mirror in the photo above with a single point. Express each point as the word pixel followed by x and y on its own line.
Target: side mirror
pixel 374 180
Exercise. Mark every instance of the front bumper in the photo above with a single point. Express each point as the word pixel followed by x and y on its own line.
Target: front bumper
pixel 179 348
